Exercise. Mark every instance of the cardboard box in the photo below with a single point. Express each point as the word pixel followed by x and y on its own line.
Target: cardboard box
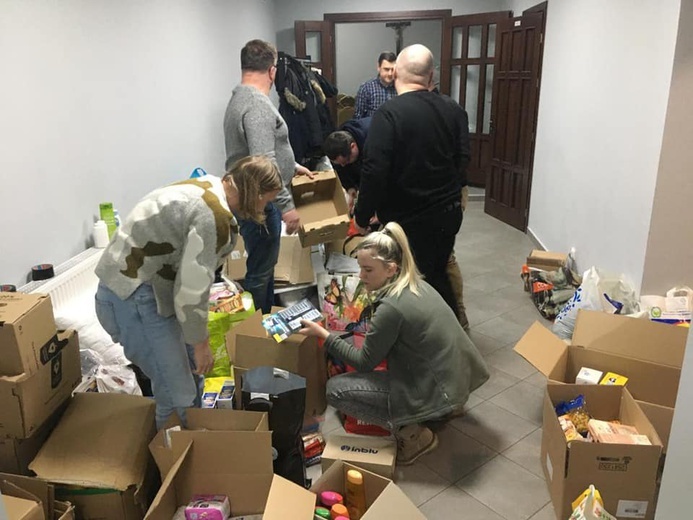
pixel 625 475
pixel 16 454
pixel 649 354
pixel 294 265
pixel 97 456
pixel 661 418
pixel 546 260
pixel 42 492
pixel 237 425
pixel 21 508
pixel 376 454
pixel 249 347
pixel 321 204
pixel 27 401
pixel 242 474
pixel 27 328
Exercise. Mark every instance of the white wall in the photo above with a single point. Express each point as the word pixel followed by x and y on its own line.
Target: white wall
pixel 606 75
pixel 104 100
pixel 358 45
pixel 287 11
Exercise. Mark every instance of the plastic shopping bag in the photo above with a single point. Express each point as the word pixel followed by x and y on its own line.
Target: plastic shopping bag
pixel 591 507
pixel 674 308
pixel 599 291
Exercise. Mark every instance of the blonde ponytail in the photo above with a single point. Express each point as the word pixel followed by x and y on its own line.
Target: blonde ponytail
pixel 391 245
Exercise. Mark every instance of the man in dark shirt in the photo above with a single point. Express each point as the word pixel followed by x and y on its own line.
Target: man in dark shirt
pixel 344 148
pixel 413 167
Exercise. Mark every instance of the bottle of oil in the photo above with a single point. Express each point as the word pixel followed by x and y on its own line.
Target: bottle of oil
pixel 355 494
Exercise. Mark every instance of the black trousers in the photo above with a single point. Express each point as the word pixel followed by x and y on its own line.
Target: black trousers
pixel 432 239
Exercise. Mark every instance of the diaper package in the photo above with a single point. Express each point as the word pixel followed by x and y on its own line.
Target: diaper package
pixel 208 507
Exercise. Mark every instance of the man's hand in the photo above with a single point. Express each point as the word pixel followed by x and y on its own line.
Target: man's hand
pixel 292 221
pixel 302 170
pixel 311 328
pixel 204 361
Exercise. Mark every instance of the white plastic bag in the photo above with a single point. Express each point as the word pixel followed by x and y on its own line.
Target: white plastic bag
pixel 674 308
pixel 117 379
pixel 591 508
pixel 599 291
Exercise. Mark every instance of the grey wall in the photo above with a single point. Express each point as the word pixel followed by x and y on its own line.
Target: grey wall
pixel 103 101
pixel 357 46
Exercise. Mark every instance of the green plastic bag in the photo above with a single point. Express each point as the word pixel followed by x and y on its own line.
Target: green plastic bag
pixel 218 325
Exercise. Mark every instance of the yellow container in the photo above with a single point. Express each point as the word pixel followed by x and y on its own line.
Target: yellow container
pixel 355 495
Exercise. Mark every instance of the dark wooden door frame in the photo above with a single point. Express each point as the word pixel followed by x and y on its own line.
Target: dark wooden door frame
pixel 390 16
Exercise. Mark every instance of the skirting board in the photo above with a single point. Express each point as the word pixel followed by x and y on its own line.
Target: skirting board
pixel 534 238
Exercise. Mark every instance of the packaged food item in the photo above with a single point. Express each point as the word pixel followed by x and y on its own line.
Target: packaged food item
pixel 615 433
pixel 590 508
pixel 569 430
pixel 612 378
pixel 576 411
pixel 208 507
pixel 588 376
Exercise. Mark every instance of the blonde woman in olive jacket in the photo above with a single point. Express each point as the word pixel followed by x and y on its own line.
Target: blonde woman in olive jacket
pixel 432 364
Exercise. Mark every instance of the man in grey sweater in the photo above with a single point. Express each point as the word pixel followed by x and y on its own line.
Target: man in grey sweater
pixel 253 126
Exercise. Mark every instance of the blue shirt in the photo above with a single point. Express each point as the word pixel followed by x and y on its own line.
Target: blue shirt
pixel 370 96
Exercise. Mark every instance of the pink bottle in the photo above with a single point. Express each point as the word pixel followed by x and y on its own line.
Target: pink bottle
pixel 330 498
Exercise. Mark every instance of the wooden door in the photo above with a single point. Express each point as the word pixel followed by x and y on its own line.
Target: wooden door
pixel 513 117
pixel 467 71
pixel 314 39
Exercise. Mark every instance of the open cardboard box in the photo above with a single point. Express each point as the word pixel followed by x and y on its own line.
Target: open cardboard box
pixel 97 456
pixel 235 424
pixel 249 346
pixel 27 330
pixel 323 209
pixel 375 454
pixel 294 265
pixel 28 400
pixel 625 475
pixel 39 491
pixel 244 474
pixel 650 354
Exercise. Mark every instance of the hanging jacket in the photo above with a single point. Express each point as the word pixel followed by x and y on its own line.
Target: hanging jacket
pixel 302 95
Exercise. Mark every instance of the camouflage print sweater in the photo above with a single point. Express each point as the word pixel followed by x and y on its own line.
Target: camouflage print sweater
pixel 174 239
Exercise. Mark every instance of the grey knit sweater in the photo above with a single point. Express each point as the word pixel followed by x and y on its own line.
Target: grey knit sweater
pixel 253 126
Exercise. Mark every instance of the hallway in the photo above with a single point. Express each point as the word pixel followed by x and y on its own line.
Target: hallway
pixel 487 464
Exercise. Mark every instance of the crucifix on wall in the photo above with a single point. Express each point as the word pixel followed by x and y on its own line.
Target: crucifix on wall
pixel 399 31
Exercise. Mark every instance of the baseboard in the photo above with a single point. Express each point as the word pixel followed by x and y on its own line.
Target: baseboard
pixel 534 238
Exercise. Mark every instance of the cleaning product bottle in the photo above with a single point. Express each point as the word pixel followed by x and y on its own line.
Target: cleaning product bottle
pixel 330 498
pixel 338 510
pixel 355 494
pixel 100 234
pixel 321 513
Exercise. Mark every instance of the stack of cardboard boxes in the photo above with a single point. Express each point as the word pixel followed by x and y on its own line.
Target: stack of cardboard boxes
pixel 39 368
pixel 650 355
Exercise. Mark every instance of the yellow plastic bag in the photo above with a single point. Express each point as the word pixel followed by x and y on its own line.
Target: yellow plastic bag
pixel 591 508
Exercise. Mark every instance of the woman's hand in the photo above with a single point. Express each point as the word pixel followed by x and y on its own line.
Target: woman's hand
pixel 204 361
pixel 302 170
pixel 311 328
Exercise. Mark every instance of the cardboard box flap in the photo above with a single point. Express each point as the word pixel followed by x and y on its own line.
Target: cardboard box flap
pixel 166 496
pixel 288 501
pixel 304 183
pixel 20 503
pixel 42 491
pixel 325 225
pixel 251 326
pixel 393 503
pixel 542 348
pixel 226 420
pixel 100 442
pixel 17 305
pixel 661 418
pixel 631 337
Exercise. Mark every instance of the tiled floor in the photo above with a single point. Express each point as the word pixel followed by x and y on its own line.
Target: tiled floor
pixel 487 464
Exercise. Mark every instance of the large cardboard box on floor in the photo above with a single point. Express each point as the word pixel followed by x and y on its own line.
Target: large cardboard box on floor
pixel 28 400
pixel 650 354
pixel 375 454
pixel 249 347
pixel 27 332
pixel 625 475
pixel 17 454
pixel 244 474
pixel 97 456
pixel 39 491
pixel 294 265
pixel 236 424
pixel 321 204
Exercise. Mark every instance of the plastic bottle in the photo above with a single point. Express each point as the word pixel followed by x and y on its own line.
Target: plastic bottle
pixel 116 217
pixel 321 513
pixel 339 510
pixel 355 494
pixel 330 498
pixel 100 234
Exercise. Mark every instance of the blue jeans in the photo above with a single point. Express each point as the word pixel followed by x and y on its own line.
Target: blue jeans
pixel 156 345
pixel 363 395
pixel 262 246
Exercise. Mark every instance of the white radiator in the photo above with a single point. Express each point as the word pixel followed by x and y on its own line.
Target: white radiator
pixel 73 279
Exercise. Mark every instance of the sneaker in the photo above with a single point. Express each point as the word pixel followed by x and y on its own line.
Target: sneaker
pixel 413 441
